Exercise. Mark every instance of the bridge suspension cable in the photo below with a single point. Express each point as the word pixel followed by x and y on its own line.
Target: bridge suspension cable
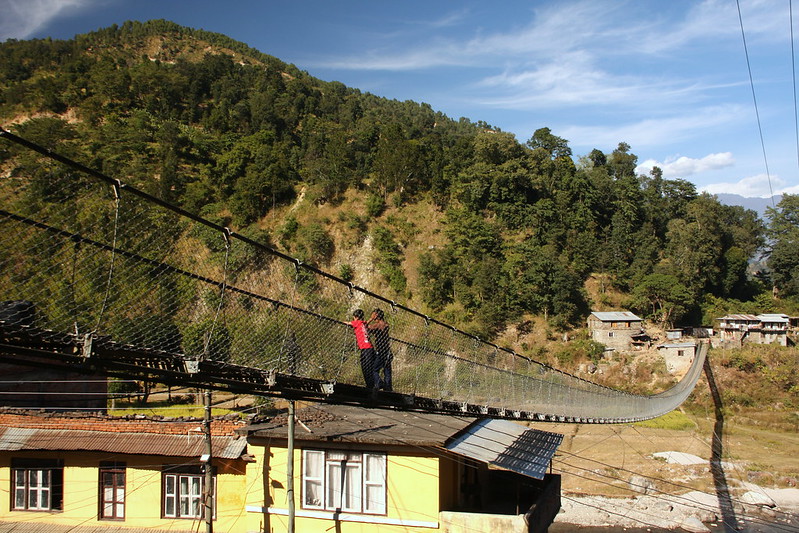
pixel 127 284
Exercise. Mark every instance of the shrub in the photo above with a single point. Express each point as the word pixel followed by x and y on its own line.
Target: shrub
pixel 375 205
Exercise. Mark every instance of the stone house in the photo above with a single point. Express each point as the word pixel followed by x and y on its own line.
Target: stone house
pixel 677 355
pixel 738 329
pixel 618 330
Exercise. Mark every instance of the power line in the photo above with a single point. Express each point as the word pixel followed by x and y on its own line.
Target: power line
pixel 793 77
pixel 677 498
pixel 754 99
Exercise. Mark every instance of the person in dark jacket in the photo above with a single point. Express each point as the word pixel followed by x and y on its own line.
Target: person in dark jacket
pixel 378 330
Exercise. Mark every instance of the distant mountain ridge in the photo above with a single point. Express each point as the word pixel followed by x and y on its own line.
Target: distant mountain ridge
pixel 757 204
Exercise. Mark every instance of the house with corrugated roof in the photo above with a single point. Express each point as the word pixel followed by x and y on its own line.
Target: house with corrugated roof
pixel 678 356
pixel 618 330
pixel 738 329
pixel 359 469
pixel 88 472
pixel 355 469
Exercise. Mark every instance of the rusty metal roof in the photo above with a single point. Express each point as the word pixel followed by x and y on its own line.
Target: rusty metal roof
pixel 47 527
pixel 740 317
pixel 344 423
pixel 190 445
pixel 506 445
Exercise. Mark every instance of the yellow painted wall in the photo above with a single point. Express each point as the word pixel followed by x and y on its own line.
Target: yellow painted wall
pixel 412 493
pixel 142 493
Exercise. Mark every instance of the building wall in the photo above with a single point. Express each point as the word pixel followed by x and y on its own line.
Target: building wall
pixel 769 337
pixel 412 502
pixel 616 335
pixel 142 492
pixel 617 339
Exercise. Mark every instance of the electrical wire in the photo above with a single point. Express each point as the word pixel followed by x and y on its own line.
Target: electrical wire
pixel 687 502
pixel 754 100
pixel 793 77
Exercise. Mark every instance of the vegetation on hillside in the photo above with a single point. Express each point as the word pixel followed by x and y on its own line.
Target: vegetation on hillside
pixel 515 228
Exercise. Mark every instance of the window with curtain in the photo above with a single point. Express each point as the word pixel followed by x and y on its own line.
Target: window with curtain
pixel 112 491
pixel 351 482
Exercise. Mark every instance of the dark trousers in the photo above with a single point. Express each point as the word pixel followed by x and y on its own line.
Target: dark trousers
pixel 369 367
pixel 383 361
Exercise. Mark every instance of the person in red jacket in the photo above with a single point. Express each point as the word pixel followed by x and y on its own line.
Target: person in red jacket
pixel 370 374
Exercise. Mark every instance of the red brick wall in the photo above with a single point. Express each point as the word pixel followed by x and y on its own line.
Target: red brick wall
pixel 127 424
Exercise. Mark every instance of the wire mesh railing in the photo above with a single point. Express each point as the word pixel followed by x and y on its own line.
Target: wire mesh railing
pixel 97 256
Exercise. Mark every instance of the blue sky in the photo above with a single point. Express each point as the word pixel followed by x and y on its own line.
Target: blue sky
pixel 669 78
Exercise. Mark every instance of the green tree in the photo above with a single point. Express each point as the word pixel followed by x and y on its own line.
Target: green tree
pixel 661 297
pixel 389 258
pixel 553 145
pixel 398 164
pixel 783 255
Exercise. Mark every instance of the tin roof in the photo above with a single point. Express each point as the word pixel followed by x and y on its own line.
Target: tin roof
pixel 346 423
pixel 20 526
pixel 616 316
pixel 506 445
pixel 774 317
pixel 740 317
pixel 501 444
pixel 190 445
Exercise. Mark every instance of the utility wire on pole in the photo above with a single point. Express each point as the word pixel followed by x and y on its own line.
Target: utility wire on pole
pixel 290 468
pixel 208 507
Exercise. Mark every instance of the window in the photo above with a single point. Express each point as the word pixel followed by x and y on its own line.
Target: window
pixel 38 484
pixel 112 491
pixel 183 492
pixel 610 333
pixel 344 481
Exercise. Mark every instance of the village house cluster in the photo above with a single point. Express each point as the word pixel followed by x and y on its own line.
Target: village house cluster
pixel 623 331
pixel 356 469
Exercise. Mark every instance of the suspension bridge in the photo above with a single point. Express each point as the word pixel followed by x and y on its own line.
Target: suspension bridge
pixel 100 276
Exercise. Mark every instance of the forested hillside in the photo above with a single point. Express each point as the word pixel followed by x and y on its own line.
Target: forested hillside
pixel 457 217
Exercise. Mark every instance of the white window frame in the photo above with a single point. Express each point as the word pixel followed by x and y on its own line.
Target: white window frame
pixel 35 484
pixel 322 469
pixel 183 492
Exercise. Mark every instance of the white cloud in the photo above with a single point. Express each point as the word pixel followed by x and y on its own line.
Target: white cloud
pixel 551 33
pixel 654 132
pixel 759 186
pixel 682 167
pixel 789 190
pixel 22 18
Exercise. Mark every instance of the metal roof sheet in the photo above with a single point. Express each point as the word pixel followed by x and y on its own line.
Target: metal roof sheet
pixel 190 445
pixel 774 317
pixel 616 316
pixel 741 317
pixel 506 445
pixel 21 526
